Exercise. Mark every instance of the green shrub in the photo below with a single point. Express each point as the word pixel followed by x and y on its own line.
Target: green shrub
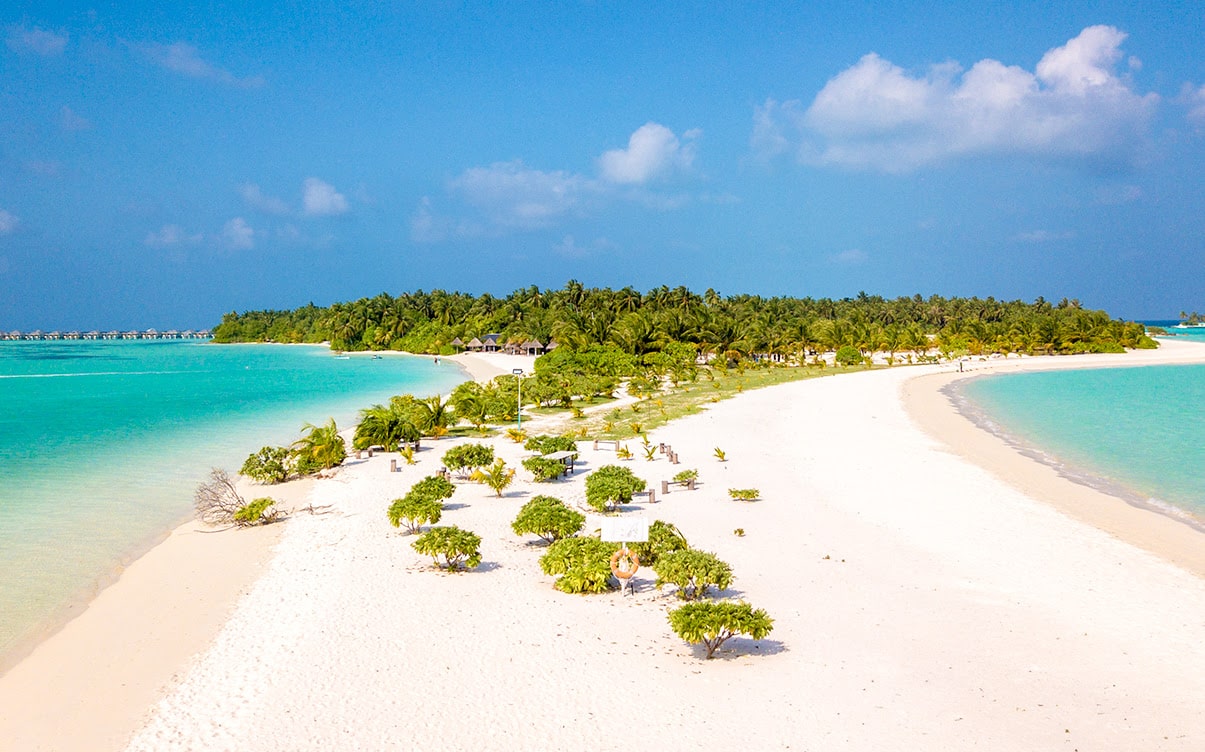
pixel 712 623
pixel 549 444
pixel 543 470
pixel 548 518
pixel 611 485
pixel 256 513
pixel 686 475
pixel 414 510
pixel 434 487
pixel 269 465
pixel 848 355
pixel 467 457
pixel 743 494
pixel 584 565
pixel 450 547
pixel 693 572
pixel 664 538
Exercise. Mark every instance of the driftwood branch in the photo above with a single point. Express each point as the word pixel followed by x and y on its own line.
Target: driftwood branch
pixel 217 499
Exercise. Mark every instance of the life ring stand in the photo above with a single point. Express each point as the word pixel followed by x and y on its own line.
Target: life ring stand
pixel 624 563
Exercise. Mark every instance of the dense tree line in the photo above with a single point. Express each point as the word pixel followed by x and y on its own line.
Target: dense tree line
pixel 639 324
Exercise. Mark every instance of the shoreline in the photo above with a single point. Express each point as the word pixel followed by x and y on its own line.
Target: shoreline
pixel 79 689
pixel 78 602
pixel 110 697
pixel 1146 526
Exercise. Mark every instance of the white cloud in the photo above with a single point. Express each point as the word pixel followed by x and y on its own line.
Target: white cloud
pixel 513 195
pixel 8 222
pixel 36 40
pixel 319 198
pixel 506 196
pixel 1043 236
pixel 1194 98
pixel 171 235
pixel 875 115
pixel 237 234
pixel 69 121
pixel 570 248
pixel 850 257
pixel 256 199
pixel 183 58
pixel 653 150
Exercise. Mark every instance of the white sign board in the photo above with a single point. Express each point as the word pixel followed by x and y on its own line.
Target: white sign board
pixel 625 529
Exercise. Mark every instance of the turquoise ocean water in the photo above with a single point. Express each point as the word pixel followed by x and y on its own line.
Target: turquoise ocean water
pixel 102 444
pixel 1138 433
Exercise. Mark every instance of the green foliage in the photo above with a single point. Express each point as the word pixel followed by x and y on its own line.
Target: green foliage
pixel 321 448
pixel 414 510
pixel 407 454
pixel 610 486
pixel 721 455
pixel 467 457
pixel 584 565
pixel 271 464
pixel 622 452
pixel 743 494
pixel 388 426
pixel 549 444
pixel 422 504
pixel 847 355
pixel 739 532
pixel 516 435
pixel 548 518
pixel 650 452
pixel 664 538
pixel 712 624
pixel 497 476
pixel 686 475
pixel 605 334
pixel 434 487
pixel 258 512
pixel 450 547
pixel 693 572
pixel 543 469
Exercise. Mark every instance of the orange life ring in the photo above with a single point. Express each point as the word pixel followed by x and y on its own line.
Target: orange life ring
pixel 630 563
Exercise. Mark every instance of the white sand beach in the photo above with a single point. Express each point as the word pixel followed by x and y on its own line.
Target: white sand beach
pixel 927 595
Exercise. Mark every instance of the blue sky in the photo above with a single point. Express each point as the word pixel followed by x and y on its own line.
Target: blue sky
pixel 161 164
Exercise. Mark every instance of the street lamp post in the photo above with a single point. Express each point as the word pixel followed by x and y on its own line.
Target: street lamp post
pixel 518 372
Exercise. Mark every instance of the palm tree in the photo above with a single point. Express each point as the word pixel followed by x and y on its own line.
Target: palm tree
pixel 386 426
pixel 439 415
pixel 319 449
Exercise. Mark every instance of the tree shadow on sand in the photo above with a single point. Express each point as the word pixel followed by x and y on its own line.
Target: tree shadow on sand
pixel 742 647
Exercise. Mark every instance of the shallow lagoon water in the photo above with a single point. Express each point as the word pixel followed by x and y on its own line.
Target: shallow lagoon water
pixel 102 444
pixel 1135 432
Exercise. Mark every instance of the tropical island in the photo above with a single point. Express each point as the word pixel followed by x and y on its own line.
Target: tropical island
pixel 737 327
pixel 859 491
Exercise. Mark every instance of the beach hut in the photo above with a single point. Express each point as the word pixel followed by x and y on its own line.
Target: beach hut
pixel 458 344
pixel 490 343
pixel 474 345
pixel 532 347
